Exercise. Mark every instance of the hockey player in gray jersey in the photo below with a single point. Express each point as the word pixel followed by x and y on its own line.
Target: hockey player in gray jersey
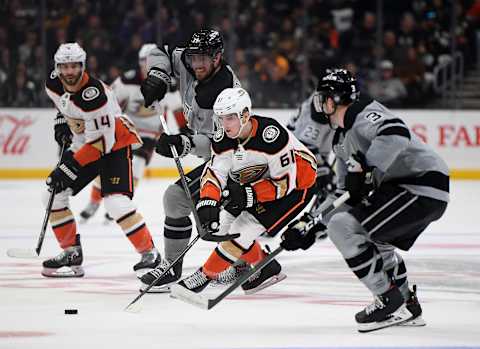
pixel 312 129
pixel 202 74
pixel 398 186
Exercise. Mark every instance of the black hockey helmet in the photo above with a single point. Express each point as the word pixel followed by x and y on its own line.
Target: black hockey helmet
pixel 205 41
pixel 338 84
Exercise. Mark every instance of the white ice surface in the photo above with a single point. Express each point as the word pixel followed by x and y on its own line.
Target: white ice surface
pixel 313 308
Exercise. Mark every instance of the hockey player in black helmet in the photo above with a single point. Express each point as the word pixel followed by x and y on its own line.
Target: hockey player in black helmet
pixel 398 186
pixel 202 74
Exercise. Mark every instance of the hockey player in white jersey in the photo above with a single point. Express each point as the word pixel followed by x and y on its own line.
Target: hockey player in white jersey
pixel 202 74
pixel 146 121
pixel 101 145
pixel 398 186
pixel 270 176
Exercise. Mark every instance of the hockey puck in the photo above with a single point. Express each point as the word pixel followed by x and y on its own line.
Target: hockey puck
pixel 71 311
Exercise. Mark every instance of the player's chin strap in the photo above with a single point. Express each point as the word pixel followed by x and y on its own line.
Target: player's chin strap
pixel 191 297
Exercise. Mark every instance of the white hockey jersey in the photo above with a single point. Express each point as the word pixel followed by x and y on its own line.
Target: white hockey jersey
pixel 271 160
pixel 146 120
pixel 94 117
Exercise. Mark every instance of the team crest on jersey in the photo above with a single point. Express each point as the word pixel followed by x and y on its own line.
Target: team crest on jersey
pixel 219 134
pixel 90 93
pixel 248 174
pixel 271 133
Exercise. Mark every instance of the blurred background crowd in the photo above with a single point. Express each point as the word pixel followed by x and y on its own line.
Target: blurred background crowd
pixel 276 47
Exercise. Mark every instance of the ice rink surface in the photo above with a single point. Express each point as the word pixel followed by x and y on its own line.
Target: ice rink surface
pixel 313 308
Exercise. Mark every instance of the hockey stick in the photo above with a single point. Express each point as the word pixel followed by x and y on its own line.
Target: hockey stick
pixel 179 292
pixel 28 253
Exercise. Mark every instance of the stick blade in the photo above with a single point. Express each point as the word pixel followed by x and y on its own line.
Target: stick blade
pixel 134 308
pixel 22 253
pixel 181 293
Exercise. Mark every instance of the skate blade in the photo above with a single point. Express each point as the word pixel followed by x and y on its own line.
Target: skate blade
pixel 185 295
pixel 417 322
pixel 396 318
pixel 155 289
pixel 64 272
pixel 272 281
pixel 22 253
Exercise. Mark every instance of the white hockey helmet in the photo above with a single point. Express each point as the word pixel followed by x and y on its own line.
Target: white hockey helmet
pixel 233 101
pixel 70 52
pixel 145 50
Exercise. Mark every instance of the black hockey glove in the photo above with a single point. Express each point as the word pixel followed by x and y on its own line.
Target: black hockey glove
pixel 209 214
pixel 155 86
pixel 241 196
pixel 302 233
pixel 359 179
pixel 183 144
pixel 62 131
pixel 325 180
pixel 64 174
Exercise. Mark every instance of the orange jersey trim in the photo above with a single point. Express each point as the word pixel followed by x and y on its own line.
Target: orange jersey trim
pixel 125 134
pixel 87 154
pixel 211 191
pixel 306 171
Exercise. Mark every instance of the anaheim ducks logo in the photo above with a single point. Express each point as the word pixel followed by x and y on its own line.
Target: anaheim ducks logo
pixel 219 134
pixel 90 93
pixel 248 174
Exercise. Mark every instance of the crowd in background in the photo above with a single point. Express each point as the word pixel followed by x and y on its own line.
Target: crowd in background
pixel 274 46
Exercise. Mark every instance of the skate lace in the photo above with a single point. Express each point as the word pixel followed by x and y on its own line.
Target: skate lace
pixel 377 304
pixel 68 255
pixel 196 279
pixel 230 275
pixel 160 269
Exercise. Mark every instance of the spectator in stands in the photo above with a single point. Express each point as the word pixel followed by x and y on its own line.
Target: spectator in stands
pixel 389 90
pixel 411 71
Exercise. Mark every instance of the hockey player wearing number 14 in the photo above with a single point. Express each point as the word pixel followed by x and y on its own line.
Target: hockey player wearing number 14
pixel 270 177
pixel 398 186
pixel 101 145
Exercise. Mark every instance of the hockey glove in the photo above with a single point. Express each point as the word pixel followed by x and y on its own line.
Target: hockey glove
pixel 63 176
pixel 302 233
pixel 155 86
pixel 182 143
pixel 62 131
pixel 241 196
pixel 359 179
pixel 209 215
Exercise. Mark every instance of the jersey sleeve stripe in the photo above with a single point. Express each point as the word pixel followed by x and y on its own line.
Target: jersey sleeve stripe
pixel 395 130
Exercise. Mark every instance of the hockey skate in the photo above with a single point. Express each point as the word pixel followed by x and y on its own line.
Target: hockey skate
pixel 66 264
pixel 268 276
pixel 413 306
pixel 163 284
pixel 195 282
pixel 388 309
pixel 230 275
pixel 89 211
pixel 149 260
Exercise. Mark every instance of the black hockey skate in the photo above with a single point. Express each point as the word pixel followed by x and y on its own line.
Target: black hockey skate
pixel 231 274
pixel 413 306
pixel 195 282
pixel 149 260
pixel 163 284
pixel 66 264
pixel 268 276
pixel 89 211
pixel 387 310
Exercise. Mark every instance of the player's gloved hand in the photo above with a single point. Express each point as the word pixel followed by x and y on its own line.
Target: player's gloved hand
pixel 325 179
pixel 241 196
pixel 64 174
pixel 359 179
pixel 302 233
pixel 209 214
pixel 183 144
pixel 62 131
pixel 155 86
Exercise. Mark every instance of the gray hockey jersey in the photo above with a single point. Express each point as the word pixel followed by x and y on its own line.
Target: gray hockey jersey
pixel 397 155
pixel 316 136
pixel 198 97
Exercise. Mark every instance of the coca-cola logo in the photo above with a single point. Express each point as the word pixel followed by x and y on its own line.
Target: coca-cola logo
pixel 14 135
